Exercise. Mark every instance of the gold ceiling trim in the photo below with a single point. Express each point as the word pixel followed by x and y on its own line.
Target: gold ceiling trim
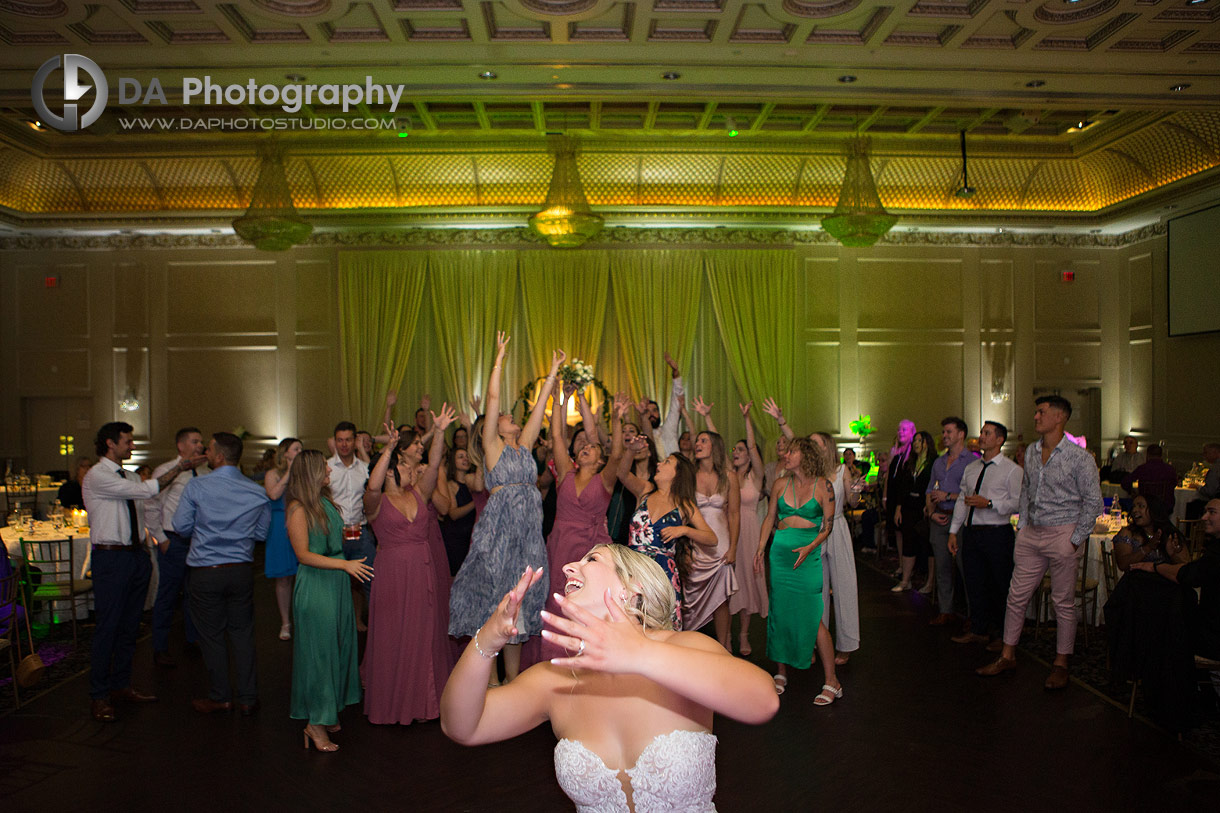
pixel 1180 146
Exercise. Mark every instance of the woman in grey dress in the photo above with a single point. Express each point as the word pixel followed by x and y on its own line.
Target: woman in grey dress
pixel 507 537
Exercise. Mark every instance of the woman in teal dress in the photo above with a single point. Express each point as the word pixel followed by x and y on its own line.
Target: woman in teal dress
pixel 325 677
pixel 803 504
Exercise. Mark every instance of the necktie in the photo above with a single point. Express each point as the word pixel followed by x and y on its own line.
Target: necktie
pixel 131 514
pixel 977 486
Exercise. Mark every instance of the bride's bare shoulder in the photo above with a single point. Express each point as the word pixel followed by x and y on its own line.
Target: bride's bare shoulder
pixel 692 640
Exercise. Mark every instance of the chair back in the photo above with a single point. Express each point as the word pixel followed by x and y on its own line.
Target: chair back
pixel 1109 569
pixel 9 585
pixel 53 559
pixel 20 495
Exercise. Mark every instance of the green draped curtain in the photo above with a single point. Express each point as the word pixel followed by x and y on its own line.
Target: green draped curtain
pixel 474 294
pixel 379 297
pixel 754 295
pixel 563 296
pixel 656 304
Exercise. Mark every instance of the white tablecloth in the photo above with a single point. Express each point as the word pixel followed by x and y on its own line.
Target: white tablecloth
pixel 44 533
pixel 1112 490
pixel 1181 496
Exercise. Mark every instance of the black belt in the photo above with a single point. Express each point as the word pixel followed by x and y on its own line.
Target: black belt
pixel 117 547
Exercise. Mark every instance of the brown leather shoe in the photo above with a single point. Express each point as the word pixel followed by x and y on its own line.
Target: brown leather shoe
pixel 163 660
pixel 969 638
pixel 941 620
pixel 102 711
pixel 248 709
pixel 206 705
pixel 1058 678
pixel 999 666
pixel 995 646
pixel 132 696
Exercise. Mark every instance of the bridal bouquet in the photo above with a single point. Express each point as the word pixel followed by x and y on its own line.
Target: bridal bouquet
pixel 576 373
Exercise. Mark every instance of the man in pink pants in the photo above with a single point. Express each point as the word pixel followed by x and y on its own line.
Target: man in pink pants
pixel 1060 501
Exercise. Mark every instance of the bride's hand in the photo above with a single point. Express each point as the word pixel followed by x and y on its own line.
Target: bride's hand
pixel 502 625
pixel 612 646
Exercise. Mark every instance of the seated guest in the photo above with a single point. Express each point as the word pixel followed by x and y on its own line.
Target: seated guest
pixel 1203 573
pixel 1156 478
pixel 70 492
pixel 1125 462
pixel 859 468
pixel 1149 537
pixel 1210 489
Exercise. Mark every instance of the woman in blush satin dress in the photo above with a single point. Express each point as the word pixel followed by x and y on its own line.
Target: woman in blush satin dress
pixel 407 657
pixel 583 496
pixel 751 596
pixel 633 704
pixel 713 580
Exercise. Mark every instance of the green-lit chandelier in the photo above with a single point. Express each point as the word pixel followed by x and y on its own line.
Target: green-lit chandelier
pixel 859 219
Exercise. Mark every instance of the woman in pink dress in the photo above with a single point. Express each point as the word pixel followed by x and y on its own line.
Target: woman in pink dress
pixel 751 596
pixel 583 495
pixel 407 657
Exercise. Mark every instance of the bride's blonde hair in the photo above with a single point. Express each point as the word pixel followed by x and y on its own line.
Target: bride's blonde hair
pixel 655 601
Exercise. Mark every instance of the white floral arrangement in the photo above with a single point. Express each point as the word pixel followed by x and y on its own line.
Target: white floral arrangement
pixel 577 373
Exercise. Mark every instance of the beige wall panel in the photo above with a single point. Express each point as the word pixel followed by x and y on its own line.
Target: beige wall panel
pixel 820 292
pixel 222 297
pixel 1139 271
pixel 319 399
pixel 131 302
pixel 914 293
pixel 1139 398
pixel 920 382
pixel 817 391
pixel 1063 361
pixel 995 294
pixel 1058 304
pixel 218 390
pixel 59 315
pixel 51 371
pixel 316 296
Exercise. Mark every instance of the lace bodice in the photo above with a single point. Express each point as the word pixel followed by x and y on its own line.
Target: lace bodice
pixel 676 772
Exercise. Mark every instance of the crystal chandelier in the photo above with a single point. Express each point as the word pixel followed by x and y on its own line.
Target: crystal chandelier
pixel 859 219
pixel 566 221
pixel 272 223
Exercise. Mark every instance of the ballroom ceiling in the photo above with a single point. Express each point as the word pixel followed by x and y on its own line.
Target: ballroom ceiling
pixel 1073 111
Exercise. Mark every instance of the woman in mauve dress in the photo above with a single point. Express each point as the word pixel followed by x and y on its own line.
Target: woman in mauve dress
pixel 583 495
pixel 407 657
pixel 751 596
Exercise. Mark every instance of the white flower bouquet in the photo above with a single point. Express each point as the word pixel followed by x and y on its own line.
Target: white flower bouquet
pixel 576 373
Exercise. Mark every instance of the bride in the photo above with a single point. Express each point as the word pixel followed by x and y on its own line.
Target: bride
pixel 633 702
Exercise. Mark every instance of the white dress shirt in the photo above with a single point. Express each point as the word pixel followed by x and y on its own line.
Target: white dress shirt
pixel 1001 485
pixel 347 488
pixel 667 435
pixel 106 489
pixel 159 511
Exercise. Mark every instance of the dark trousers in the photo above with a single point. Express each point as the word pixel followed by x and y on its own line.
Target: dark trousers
pixel 222 600
pixel 363 548
pixel 985 552
pixel 120 585
pixel 171 585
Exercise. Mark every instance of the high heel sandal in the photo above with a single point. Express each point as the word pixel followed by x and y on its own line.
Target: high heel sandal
pixel 327 746
pixel 743 646
pixel 828 695
pixel 901 587
pixel 781 683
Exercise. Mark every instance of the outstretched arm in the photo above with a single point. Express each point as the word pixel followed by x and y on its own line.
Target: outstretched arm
pixel 492 445
pixel 373 488
pixel 705 409
pixel 530 433
pixel 610 470
pixel 559 441
pixel 631 481
pixel 756 461
pixel 436 452
pixel 591 424
pixel 772 409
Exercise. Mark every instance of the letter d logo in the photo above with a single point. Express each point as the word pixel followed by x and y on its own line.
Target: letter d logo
pixel 73 91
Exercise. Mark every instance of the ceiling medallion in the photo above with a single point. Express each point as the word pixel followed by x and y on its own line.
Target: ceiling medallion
pixel 859 219
pixel 566 220
pixel 272 223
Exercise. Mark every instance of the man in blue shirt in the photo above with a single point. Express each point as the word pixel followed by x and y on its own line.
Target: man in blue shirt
pixel 223 514
pixel 943 490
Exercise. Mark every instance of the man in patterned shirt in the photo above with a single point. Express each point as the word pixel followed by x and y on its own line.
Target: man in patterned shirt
pixel 1060 501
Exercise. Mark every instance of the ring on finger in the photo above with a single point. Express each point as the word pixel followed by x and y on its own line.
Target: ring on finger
pixel 581 651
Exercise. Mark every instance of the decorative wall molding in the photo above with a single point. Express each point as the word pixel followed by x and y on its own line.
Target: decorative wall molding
pixel 614 236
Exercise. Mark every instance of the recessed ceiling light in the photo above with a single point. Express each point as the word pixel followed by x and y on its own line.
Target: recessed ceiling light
pixel 1181 87
pixel 1034 83
pixel 671 75
pixel 294 77
pixel 847 79
pixel 488 75
pixel 35 124
pixel 1194 2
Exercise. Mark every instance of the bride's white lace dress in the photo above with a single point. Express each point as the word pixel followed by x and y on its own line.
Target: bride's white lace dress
pixel 675 773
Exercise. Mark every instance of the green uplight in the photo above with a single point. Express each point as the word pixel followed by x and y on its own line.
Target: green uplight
pixel 732 133
pixel 403 135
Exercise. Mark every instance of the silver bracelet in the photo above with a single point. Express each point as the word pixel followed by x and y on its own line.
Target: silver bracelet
pixel 479 649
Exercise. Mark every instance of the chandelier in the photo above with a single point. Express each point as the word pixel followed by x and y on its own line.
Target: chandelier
pixel 566 221
pixel 859 219
pixel 272 223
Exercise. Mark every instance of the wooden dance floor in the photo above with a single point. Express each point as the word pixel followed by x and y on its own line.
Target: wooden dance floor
pixel 916 730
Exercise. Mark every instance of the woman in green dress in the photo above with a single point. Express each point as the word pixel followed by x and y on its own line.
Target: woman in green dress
pixel 325 676
pixel 803 505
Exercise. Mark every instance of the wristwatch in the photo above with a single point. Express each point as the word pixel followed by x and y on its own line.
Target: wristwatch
pixel 989 504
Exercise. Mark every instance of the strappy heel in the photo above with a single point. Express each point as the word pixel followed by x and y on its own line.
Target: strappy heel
pixel 828 695
pixel 326 747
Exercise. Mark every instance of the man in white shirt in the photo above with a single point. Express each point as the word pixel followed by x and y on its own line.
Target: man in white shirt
pixel 664 434
pixel 981 530
pixel 171 546
pixel 348 475
pixel 121 566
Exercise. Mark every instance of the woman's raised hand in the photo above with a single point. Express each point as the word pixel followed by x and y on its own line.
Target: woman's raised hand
pixel 745 408
pixel 391 433
pixel 772 409
pixel 502 625
pixel 557 357
pixel 602 645
pixel 621 405
pixel 357 569
pixel 501 342
pixel 702 407
pixel 446 417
